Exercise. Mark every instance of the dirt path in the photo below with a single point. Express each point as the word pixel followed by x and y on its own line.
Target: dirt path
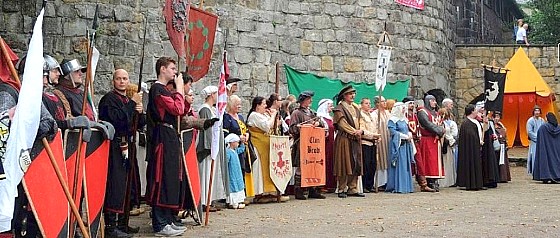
pixel 521 208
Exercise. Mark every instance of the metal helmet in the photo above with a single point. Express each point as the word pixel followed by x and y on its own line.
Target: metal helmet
pixel 69 66
pixel 49 63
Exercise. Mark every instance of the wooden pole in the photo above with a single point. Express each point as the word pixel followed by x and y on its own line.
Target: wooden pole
pixel 9 61
pixel 46 145
pixel 277 83
pixel 208 199
pixel 73 206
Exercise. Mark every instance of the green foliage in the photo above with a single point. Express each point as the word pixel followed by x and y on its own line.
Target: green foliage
pixel 544 22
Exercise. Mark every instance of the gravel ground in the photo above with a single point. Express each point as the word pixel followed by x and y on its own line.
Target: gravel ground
pixel 521 208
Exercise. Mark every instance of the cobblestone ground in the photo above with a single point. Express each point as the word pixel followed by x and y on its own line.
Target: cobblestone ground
pixel 521 208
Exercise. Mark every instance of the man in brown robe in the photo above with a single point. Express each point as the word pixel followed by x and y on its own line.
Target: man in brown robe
pixel 347 150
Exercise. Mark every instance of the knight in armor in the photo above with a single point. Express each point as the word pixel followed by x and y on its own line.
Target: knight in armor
pixel 52 98
pixel 119 110
pixel 303 115
pixel 429 165
pixel 70 87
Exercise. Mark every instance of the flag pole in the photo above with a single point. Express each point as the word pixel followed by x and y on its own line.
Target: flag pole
pixel 208 199
pixel 9 61
pixel 277 83
pixel 73 207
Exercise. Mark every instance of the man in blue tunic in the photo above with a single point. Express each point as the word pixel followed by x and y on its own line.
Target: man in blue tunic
pixel 533 125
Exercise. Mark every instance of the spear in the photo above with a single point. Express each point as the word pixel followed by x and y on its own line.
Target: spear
pixel 87 83
pixel 132 159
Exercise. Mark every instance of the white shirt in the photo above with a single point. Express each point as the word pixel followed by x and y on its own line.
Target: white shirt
pixel 521 33
pixel 479 127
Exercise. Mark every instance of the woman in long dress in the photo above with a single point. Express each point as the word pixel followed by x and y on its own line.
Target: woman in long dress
pixel 324 111
pixel 502 155
pixel 220 183
pixel 233 122
pixel 260 124
pixel 401 152
pixel 451 133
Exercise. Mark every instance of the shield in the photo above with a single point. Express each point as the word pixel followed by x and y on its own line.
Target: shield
pixel 312 156
pixel 280 161
pixel 188 141
pixel 49 203
pixel 70 151
pixel 95 178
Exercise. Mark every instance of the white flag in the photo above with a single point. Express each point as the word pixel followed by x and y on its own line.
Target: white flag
pixel 24 125
pixel 220 108
pixel 383 61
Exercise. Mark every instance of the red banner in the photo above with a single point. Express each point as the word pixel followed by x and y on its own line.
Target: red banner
pixel 201 33
pixel 176 15
pixel 312 156
pixel 418 4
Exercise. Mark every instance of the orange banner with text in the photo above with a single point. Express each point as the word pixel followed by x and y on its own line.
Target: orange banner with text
pixel 312 156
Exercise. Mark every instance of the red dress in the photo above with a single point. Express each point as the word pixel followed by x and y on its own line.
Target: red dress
pixel 329 156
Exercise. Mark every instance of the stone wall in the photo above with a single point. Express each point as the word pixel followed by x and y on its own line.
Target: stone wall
pixel 469 74
pixel 335 38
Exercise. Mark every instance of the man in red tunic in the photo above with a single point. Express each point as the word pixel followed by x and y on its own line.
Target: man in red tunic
pixel 429 162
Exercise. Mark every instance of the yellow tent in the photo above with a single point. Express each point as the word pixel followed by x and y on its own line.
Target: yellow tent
pixel 524 89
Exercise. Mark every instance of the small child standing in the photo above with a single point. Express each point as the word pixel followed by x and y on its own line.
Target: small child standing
pixel 236 183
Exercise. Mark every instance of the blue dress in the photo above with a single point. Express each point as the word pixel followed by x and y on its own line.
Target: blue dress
pixel 400 159
pixel 236 182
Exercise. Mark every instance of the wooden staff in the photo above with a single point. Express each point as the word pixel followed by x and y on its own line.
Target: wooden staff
pixel 277 83
pixel 73 207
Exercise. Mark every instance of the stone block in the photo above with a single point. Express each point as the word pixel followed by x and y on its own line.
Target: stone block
pixel 306 22
pixel 465 73
pixel 369 64
pixel 250 40
pixel 370 12
pixel 294 7
pixel 123 14
pixel 244 71
pixel 319 48
pixel 358 24
pixel 245 25
pixel 338 63
pixel 326 63
pixel 334 48
pixel 265 28
pixel 260 72
pixel 243 55
pixel 313 35
pixel 263 57
pixel 364 3
pixel 289 45
pixel 347 10
pixel 534 52
pixel 382 14
pixel 306 47
pixel 546 72
pixel 476 52
pixel 322 22
pixel 298 62
pixel 341 35
pixel 314 63
pixel 332 9
pixel 329 35
pixel 353 64
pixel 460 63
pixel 315 8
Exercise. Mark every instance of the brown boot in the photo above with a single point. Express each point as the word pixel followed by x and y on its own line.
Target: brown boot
pixel 299 194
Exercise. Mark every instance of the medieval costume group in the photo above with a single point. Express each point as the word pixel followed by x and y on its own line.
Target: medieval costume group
pixel 384 147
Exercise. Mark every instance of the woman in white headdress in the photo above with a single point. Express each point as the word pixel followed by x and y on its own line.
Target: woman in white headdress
pixel 220 188
pixel 401 152
pixel 324 112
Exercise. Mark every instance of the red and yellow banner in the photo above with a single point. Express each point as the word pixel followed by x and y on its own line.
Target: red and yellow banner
pixel 312 156
pixel 418 4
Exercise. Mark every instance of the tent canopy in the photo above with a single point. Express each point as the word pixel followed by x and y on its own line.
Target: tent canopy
pixel 524 89
pixel 325 87
pixel 524 77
